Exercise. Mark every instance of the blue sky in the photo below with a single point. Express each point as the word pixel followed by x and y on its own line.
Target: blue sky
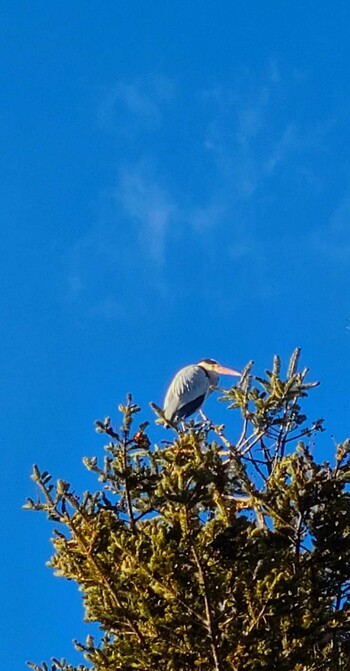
pixel 175 185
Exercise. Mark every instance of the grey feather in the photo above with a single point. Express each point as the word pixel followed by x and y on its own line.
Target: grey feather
pixel 189 384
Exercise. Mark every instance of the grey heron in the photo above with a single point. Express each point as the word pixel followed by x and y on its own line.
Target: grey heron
pixel 191 386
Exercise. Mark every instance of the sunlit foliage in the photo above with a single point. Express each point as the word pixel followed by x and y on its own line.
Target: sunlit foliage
pixel 212 552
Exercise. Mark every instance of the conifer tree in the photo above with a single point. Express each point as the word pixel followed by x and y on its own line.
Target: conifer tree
pixel 211 551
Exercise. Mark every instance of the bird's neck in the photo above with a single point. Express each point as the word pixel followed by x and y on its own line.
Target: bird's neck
pixel 205 370
pixel 212 377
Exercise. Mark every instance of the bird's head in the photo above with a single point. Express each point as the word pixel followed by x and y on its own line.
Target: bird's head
pixel 215 369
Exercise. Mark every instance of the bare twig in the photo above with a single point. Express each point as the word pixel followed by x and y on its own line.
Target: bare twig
pixel 209 615
pixel 127 488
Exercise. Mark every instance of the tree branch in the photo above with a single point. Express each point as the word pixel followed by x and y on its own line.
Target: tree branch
pixel 209 616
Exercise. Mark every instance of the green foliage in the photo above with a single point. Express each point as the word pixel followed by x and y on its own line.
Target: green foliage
pixel 211 553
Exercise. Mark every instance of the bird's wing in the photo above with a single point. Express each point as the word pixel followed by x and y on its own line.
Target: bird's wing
pixel 188 384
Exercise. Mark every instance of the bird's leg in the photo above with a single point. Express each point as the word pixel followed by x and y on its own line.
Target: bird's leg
pixel 204 417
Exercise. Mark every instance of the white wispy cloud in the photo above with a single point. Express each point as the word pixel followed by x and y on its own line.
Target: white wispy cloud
pixel 145 201
pixel 285 145
pixel 135 106
pixel 247 148
pixel 239 120
pixel 236 148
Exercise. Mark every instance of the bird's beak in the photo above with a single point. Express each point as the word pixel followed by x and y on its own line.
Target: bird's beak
pixel 227 371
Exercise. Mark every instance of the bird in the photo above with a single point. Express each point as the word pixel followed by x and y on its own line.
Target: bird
pixel 190 387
